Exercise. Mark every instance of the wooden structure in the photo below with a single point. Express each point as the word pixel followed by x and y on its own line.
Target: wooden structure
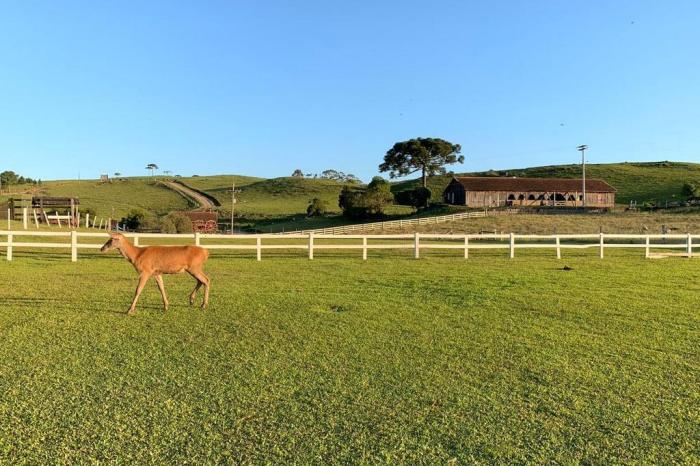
pixel 47 207
pixel 481 192
pixel 205 222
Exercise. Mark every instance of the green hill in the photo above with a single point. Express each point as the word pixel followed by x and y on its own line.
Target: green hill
pixel 274 197
pixel 643 181
pixel 119 196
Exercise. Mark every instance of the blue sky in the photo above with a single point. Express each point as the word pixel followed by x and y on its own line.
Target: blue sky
pixel 262 88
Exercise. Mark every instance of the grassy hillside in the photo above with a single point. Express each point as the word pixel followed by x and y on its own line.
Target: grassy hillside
pixel 274 197
pixel 122 195
pixel 648 181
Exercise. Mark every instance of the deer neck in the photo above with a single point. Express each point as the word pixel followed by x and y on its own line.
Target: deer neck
pixel 129 251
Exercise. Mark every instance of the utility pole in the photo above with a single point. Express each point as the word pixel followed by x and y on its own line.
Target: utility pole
pixel 582 148
pixel 233 202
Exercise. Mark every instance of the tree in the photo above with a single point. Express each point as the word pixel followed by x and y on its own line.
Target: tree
pixel 298 173
pixel 316 208
pixel 427 155
pixel 417 197
pixel 690 190
pixel 350 178
pixel 332 174
pixel 368 202
pixel 151 167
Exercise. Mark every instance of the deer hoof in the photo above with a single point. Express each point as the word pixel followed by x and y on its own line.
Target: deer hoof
pixel 203 306
pixel 131 312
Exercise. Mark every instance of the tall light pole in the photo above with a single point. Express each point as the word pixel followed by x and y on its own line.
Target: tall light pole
pixel 582 148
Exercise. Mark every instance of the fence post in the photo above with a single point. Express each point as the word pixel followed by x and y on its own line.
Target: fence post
pixel 602 246
pixel 24 217
pixel 558 247
pixel 36 220
pixel 690 246
pixel 466 246
pixel 87 219
pixel 258 248
pixel 416 246
pixel 108 225
pixel 364 248
pixel 197 239
pixel 311 245
pixel 9 219
pixel 9 246
pixel 646 249
pixel 136 240
pixel 74 246
pixel 512 245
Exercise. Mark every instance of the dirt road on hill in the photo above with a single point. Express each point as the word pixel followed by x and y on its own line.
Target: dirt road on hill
pixel 199 199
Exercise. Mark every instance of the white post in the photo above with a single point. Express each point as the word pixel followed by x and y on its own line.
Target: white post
pixel 602 245
pixel 9 246
pixel 58 219
pixel 87 220
pixel 136 240
pixel 24 217
pixel 101 221
pixel 416 246
pixel 108 225
pixel 36 219
pixel 690 246
pixel 258 248
pixel 512 245
pixel 197 239
pixel 9 222
pixel 74 246
pixel 558 247
pixel 646 249
pixel 466 246
pixel 311 245
pixel 364 248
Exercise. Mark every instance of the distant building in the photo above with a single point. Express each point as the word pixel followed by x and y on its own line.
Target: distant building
pixel 479 192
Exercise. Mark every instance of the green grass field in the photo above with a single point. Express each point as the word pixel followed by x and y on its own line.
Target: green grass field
pixel 337 360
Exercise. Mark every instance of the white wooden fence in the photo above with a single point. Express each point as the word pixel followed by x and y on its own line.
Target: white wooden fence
pixel 341 230
pixel 415 242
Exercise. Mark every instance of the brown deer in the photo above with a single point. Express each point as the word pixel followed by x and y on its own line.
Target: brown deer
pixel 154 261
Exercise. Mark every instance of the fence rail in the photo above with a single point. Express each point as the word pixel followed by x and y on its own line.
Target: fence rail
pixel 416 241
pixel 340 230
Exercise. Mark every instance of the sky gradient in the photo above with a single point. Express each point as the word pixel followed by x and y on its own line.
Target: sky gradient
pixel 262 88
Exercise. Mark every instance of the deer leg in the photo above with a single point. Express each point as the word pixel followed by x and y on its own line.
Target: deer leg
pixel 161 287
pixel 143 278
pixel 203 280
pixel 194 292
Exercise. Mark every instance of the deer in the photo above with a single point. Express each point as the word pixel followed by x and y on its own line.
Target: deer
pixel 155 261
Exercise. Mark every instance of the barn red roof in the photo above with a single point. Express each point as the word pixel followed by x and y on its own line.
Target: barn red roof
pixel 489 183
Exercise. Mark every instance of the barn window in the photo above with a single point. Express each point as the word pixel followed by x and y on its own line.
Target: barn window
pixel 542 197
pixel 511 197
pixel 521 197
pixel 531 197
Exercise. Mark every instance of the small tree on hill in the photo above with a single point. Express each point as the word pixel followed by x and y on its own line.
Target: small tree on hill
pixel 152 167
pixel 298 173
pixel 317 207
pixel 426 155
pixel 690 189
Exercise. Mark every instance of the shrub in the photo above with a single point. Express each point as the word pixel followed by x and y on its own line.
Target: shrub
pixel 690 190
pixel 366 203
pixel 176 222
pixel 135 219
pixel 418 197
pixel 317 207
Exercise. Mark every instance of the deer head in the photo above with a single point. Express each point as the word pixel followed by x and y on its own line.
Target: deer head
pixel 115 241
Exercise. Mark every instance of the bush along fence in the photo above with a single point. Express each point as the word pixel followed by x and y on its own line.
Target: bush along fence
pixel 416 242
pixel 404 223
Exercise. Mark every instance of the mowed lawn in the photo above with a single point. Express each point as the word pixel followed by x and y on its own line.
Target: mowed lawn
pixel 337 360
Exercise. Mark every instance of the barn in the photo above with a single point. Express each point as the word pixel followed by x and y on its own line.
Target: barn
pixel 480 192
